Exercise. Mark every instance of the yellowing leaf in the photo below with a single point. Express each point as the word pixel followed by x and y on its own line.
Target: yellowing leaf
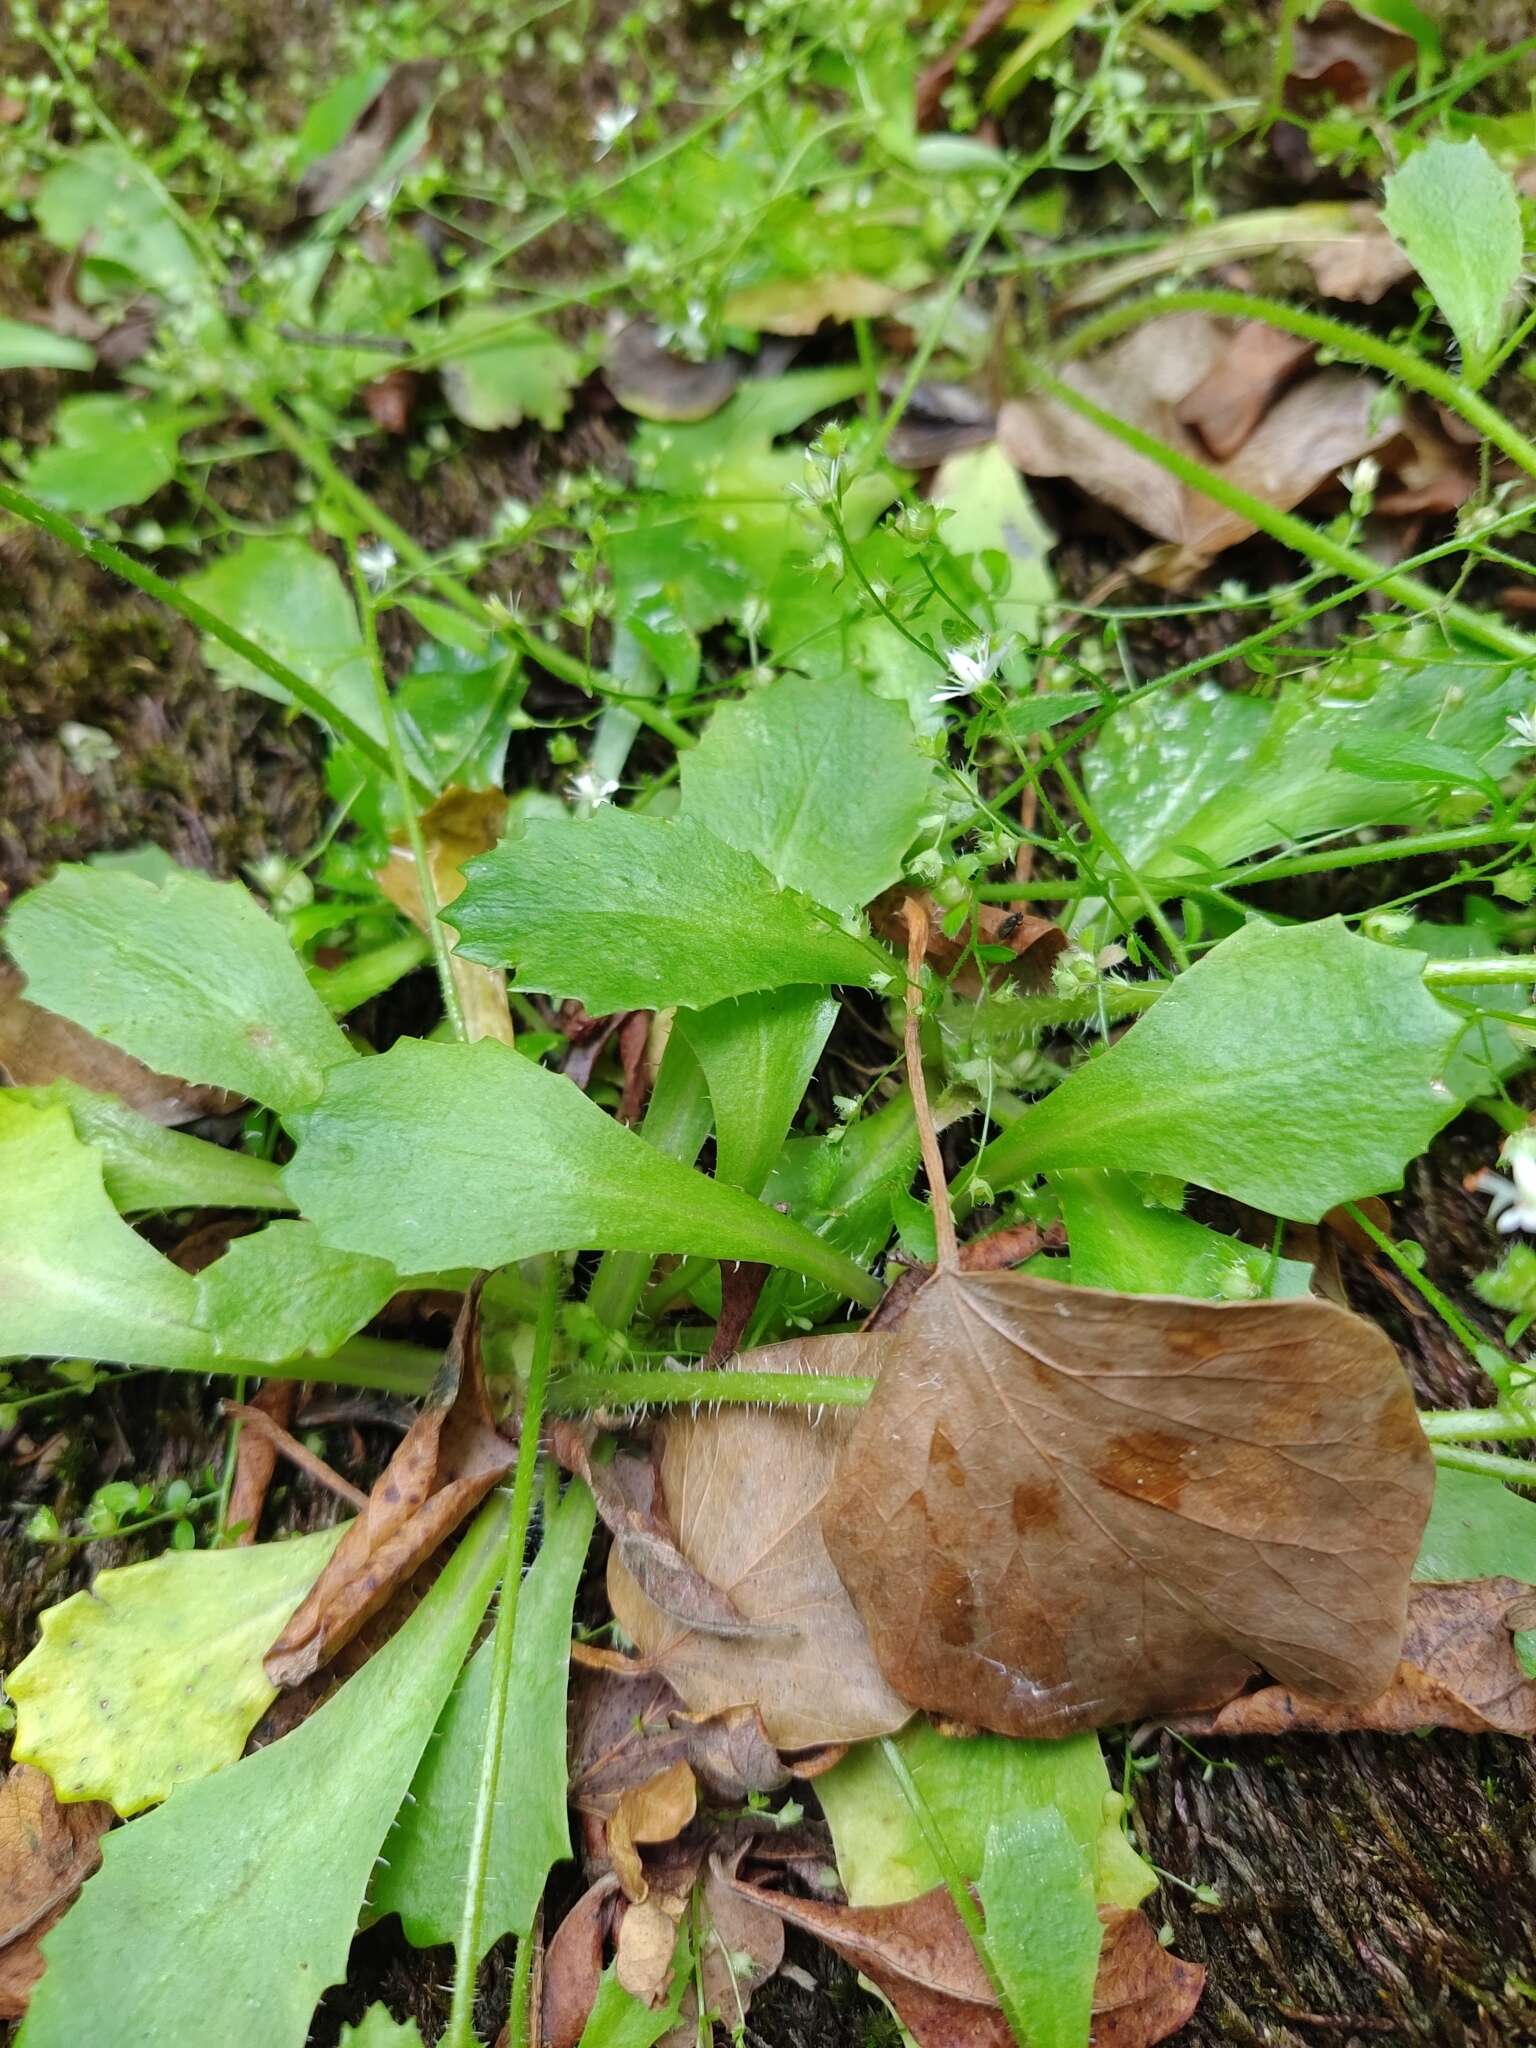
pixel 153 1678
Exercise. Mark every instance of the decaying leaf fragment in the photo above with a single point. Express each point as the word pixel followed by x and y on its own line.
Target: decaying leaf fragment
pixel 446 1464
pixel 656 1811
pixel 743 1490
pixel 1458 1670
pixel 920 1957
pixel 1066 1507
pixel 47 1851
pixel 625 1728
pixel 462 823
pixel 38 1046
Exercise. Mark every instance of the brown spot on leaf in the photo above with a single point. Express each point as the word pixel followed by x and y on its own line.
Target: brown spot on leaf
pixel 1033 1506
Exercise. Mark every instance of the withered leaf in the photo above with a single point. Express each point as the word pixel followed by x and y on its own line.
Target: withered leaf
pixel 653 383
pixel 1362 265
pixel 743 1490
pixel 1234 394
pixel 47 1851
pixel 37 1046
pixel 626 1491
pixel 1036 942
pixel 462 823
pixel 919 1955
pixel 573 1965
pixel 256 1458
pixel 1323 422
pixel 624 1729
pixel 656 1811
pixel 1458 1670
pixel 447 1462
pixel 1345 54
pixel 799 305
pixel 643 1962
pixel 1065 1507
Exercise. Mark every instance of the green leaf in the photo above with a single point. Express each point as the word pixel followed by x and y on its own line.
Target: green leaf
pixel 153 1678
pixel 428 1854
pixel 818 778
pixel 191 976
pixel 26 346
pixel 292 602
pixel 101 194
pixel 758 1054
pixel 620 2020
pixel 1293 1068
pixel 990 511
pixel 624 912
pixel 379 2029
pixel 1477 1529
pixel 1043 1931
pixel 146 1166
pixel 74 1279
pixel 107 451
pixel 1182 782
pixel 527 374
pixel 969 1783
pixel 1391 757
pixel 283 1293
pixel 1120 1239
pixel 1456 215
pixel 440 1156
pixel 242 1893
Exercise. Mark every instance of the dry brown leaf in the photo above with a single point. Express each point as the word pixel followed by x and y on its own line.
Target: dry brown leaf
pixel 643 1963
pixel 1458 1670
pixel 447 1462
pixel 1234 394
pixel 656 1811
pixel 1326 421
pixel 1035 941
pixel 1362 265
pixel 651 382
pixel 256 1458
pixel 626 1491
pixel 573 1965
pixel 462 823
pixel 47 1851
pixel 1345 54
pixel 919 1956
pixel 37 1047
pixel 743 1490
pixel 625 1729
pixel 1065 1507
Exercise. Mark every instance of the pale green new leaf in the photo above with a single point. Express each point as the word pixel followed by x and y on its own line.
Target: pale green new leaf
pixel 427 1855
pixel 292 602
pixel 758 1054
pixel 190 975
pixel 153 1678
pixel 1043 1931
pixel 229 1910
pixel 74 1279
pixel 1456 215
pixel 102 195
pixel 1477 1529
pixel 1120 1239
pixel 967 1784
pixel 107 450
pixel 26 346
pixel 820 779
pixel 992 515
pixel 523 374
pixel 1293 1068
pixel 624 912
pixel 438 1156
pixel 620 2020
pixel 379 2029
pixel 283 1293
pixel 147 1166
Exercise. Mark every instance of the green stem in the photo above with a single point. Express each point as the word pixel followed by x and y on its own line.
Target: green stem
pixel 292 684
pixel 460 2030
pixel 1476 1347
pixel 367 975
pixel 1285 527
pixel 522 1979
pixel 426 882
pixel 575 1393
pixel 1476 1425
pixel 954 1881
pixel 1353 343
pixel 1283 866
pixel 1515 1471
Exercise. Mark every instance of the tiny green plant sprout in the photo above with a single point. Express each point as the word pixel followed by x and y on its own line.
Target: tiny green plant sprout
pixel 923 816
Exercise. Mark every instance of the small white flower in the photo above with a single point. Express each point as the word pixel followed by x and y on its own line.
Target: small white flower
pixel 590 789
pixel 609 126
pixel 1513 1201
pixel 1523 726
pixel 970 667
pixel 375 559
pixel 87 746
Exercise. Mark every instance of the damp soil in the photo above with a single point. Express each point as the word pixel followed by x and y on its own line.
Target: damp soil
pixel 1372 1889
